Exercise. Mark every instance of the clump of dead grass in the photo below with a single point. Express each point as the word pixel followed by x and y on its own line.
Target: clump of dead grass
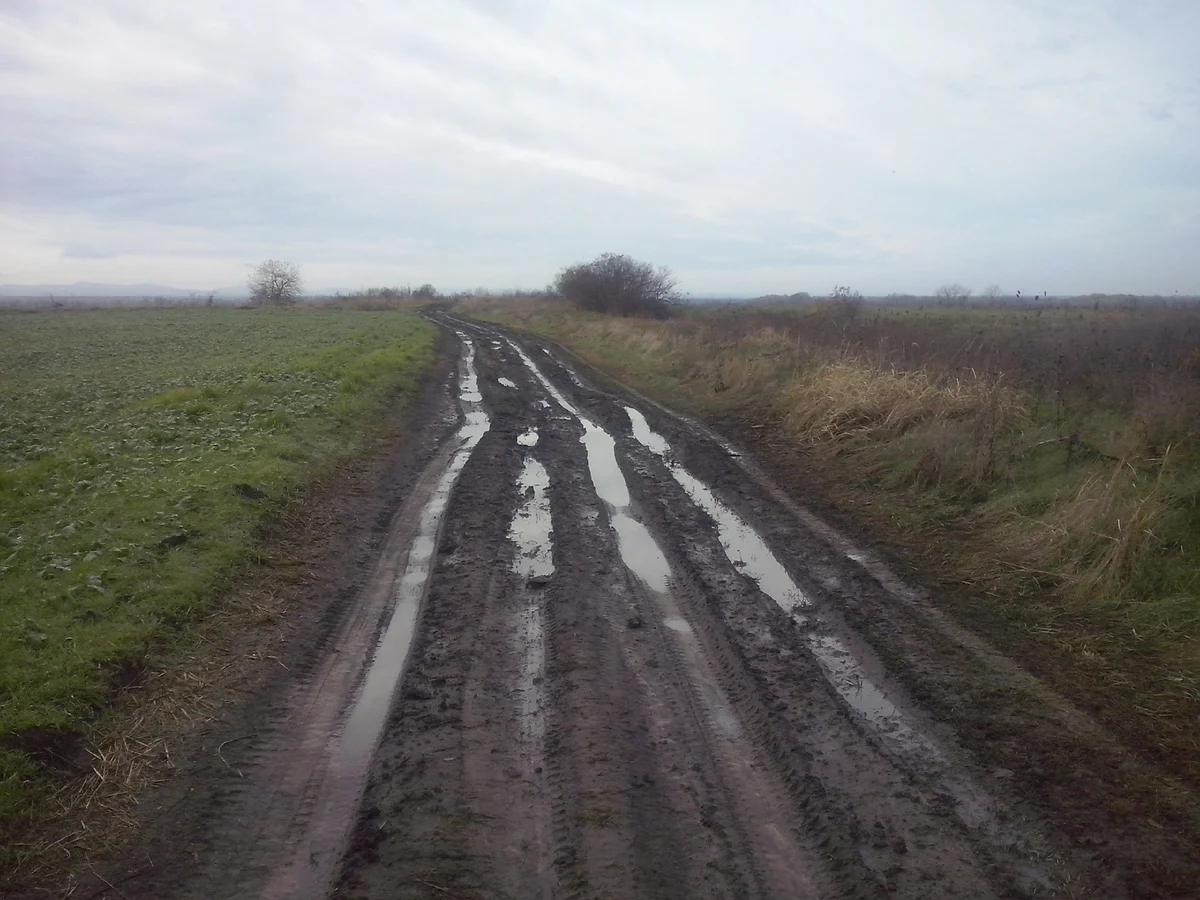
pixel 1098 537
pixel 852 400
pixel 89 816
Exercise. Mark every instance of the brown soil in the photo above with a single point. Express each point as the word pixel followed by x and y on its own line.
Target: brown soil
pixel 594 732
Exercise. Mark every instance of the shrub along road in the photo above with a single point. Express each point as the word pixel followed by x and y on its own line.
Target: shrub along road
pixel 598 653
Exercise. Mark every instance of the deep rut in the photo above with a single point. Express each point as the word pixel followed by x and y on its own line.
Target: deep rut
pixel 638 694
pixel 599 658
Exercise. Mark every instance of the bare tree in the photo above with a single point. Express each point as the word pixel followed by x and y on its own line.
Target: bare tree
pixel 993 292
pixel 618 285
pixel 275 283
pixel 953 295
pixel 843 306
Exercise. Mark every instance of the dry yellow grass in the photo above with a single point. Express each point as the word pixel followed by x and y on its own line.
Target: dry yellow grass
pixel 1067 558
pixel 1099 536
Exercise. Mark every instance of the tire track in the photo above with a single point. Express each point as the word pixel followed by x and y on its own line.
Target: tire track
pixel 998 842
pixel 764 835
pixel 613 701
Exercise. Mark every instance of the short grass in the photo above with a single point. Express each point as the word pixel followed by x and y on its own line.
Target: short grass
pixel 1038 470
pixel 140 451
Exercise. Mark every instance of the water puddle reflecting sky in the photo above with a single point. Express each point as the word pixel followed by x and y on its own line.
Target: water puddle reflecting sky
pixel 531 527
pixel 745 548
pixel 638 548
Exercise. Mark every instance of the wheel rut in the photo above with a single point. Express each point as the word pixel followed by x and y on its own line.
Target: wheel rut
pixel 595 661
pixel 652 709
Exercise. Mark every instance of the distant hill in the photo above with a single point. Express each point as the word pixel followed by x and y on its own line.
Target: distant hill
pixel 95 289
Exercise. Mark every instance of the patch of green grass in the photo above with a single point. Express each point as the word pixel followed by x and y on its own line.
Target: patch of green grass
pixel 139 453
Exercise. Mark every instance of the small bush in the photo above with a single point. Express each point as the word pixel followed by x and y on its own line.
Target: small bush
pixel 617 285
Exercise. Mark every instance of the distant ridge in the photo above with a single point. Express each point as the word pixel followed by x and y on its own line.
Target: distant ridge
pixel 96 289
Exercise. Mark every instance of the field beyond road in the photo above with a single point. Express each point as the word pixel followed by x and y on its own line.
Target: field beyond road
pixel 141 453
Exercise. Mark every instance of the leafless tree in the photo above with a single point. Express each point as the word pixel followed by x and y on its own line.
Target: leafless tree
pixel 953 295
pixel 275 283
pixel 993 292
pixel 844 305
pixel 618 285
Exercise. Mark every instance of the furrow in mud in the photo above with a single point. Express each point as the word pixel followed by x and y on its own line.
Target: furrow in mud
pixel 1015 852
pixel 623 685
pixel 317 844
pixel 775 863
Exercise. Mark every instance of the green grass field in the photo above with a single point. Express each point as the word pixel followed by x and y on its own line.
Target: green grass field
pixel 140 451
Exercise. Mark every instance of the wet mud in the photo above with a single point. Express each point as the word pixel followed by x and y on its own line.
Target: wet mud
pixel 623 688
pixel 601 656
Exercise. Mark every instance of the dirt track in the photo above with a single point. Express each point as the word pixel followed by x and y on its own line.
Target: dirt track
pixel 600 656
pixel 621 688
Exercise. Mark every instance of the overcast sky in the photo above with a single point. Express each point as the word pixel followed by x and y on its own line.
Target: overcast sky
pixel 752 147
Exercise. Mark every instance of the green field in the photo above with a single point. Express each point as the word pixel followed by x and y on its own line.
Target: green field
pixel 140 452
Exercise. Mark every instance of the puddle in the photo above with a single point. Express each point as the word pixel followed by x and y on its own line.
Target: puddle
pixel 321 848
pixel 742 544
pixel 602 462
pixel 530 529
pixel 550 389
pixel 844 672
pixel 528 438
pixel 677 624
pixel 468 383
pixel 639 551
pixel 746 549
pixel 505 381
pixel 366 719
pixel 647 437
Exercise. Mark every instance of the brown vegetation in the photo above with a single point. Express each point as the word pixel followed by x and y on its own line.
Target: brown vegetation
pixel 617 285
pixel 1040 463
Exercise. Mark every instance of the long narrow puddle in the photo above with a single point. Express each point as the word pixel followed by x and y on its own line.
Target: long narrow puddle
pixel 532 531
pixel 746 549
pixel 637 546
pixel 310 870
pixel 781 857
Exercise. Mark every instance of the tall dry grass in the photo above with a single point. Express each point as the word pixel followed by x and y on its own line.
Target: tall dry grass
pixel 1099 536
pixel 1077 521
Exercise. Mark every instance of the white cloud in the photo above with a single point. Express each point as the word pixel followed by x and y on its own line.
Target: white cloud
pixel 751 147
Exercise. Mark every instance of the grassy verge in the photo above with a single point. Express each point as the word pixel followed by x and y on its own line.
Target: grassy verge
pixel 140 453
pixel 1055 499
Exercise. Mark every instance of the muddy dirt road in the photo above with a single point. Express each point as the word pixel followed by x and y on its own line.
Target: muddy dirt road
pixel 600 656
pixel 626 683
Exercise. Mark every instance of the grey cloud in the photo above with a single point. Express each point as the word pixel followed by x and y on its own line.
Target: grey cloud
pixel 471 140
pixel 85 251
